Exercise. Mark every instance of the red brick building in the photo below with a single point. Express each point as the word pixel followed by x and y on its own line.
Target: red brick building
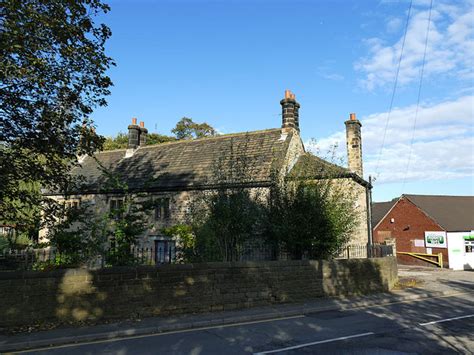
pixel 405 220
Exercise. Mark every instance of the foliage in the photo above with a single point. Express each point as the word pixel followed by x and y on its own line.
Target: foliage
pixel 4 244
pixel 121 140
pixel 311 216
pixel 118 142
pixel 156 138
pixel 185 241
pixel 226 218
pixel 305 215
pixel 24 217
pixel 77 236
pixel 53 75
pixel 15 241
pixel 186 128
pixel 127 223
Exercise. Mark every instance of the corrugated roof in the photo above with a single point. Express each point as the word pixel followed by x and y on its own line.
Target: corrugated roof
pixel 453 213
pixel 186 164
pixel 380 209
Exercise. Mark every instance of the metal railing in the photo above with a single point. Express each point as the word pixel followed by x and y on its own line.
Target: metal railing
pixel 365 251
pixel 42 258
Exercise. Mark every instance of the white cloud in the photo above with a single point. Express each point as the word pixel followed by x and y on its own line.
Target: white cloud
pixel 394 24
pixel 443 144
pixel 449 51
pixel 326 72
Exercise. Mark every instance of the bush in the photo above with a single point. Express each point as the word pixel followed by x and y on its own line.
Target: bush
pixel 185 242
pixel 311 219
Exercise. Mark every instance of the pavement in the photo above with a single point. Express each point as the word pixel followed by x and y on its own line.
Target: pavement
pixel 432 284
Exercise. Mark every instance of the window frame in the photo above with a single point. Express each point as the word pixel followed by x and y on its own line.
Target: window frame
pixel 115 206
pixel 162 210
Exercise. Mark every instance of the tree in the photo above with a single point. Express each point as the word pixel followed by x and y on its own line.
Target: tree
pixel 79 235
pixel 52 75
pixel 156 138
pixel 311 215
pixel 126 223
pixel 186 128
pixel 24 218
pixel 226 218
pixel 121 140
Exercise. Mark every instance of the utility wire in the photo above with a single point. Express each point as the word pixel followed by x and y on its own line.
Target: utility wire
pixel 393 91
pixel 419 96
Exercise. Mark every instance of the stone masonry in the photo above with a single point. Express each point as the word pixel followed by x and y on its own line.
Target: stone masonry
pixel 78 295
pixel 354 145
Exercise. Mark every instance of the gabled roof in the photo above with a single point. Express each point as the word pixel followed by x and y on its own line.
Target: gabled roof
pixel 453 213
pixel 187 164
pixel 380 209
pixel 310 166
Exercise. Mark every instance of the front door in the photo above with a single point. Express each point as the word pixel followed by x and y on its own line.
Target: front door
pixel 164 251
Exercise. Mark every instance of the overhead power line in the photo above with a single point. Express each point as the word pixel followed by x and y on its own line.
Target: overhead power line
pixel 419 96
pixel 395 84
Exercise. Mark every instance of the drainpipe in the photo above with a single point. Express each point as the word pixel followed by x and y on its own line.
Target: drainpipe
pixel 368 196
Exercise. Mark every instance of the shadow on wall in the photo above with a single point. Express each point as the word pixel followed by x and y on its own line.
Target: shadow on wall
pixel 355 277
pixel 79 295
pixel 396 321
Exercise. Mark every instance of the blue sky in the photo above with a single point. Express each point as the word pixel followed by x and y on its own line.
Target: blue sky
pixel 229 62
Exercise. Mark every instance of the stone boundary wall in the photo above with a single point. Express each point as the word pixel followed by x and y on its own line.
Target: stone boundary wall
pixel 80 295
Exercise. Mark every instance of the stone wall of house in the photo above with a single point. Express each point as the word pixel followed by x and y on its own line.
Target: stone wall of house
pixel 179 205
pixel 180 201
pixel 78 295
pixel 100 204
pixel 360 235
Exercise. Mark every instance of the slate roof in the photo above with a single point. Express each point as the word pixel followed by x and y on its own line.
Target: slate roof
pixel 380 209
pixel 453 213
pixel 186 164
pixel 310 166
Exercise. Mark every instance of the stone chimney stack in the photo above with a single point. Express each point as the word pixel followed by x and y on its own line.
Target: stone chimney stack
pixel 133 135
pixel 143 134
pixel 354 144
pixel 290 112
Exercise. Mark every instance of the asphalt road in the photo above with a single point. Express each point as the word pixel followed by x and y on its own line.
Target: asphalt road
pixel 443 325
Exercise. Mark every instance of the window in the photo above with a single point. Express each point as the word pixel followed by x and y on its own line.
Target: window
pixel 165 251
pixel 469 247
pixel 162 209
pixel 116 208
pixel 72 204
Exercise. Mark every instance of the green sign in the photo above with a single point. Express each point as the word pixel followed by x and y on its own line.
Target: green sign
pixel 435 239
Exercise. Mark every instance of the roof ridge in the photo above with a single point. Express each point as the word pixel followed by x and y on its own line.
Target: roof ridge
pixel 182 141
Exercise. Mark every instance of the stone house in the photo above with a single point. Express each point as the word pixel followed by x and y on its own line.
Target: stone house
pixel 172 172
pixel 413 221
